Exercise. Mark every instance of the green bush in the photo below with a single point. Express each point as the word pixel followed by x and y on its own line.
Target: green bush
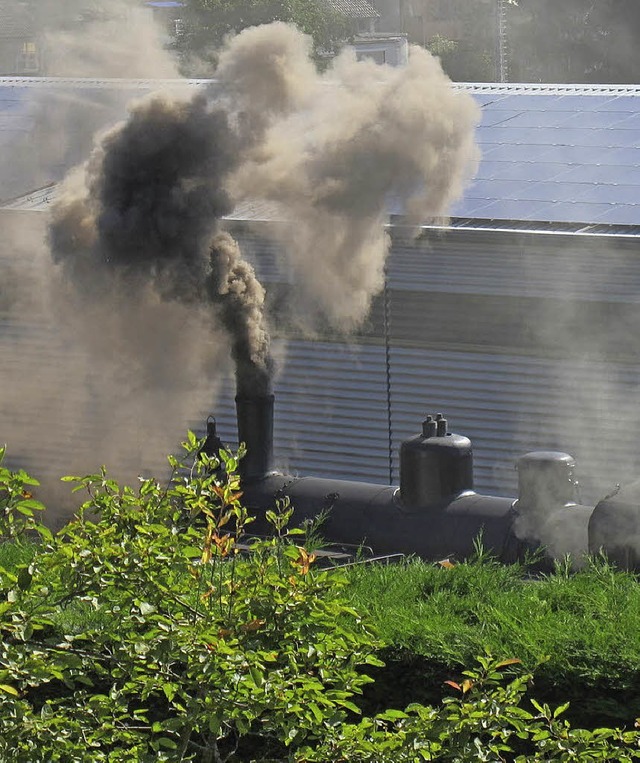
pixel 145 635
pixel 151 628
pixel 486 721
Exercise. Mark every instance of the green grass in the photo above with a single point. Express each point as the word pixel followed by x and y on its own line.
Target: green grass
pixel 579 633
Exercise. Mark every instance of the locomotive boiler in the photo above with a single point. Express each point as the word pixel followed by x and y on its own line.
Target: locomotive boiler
pixel 435 512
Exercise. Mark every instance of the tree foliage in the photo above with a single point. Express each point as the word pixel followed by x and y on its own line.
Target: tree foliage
pixel 209 22
pixel 144 635
pixel 575 41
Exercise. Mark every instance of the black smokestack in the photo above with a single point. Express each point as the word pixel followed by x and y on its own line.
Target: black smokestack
pixel 255 430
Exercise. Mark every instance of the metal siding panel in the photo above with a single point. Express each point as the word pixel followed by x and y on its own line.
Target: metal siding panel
pixel 510 265
pixel 330 415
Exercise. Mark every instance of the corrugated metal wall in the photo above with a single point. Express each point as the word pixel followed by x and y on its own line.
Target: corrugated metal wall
pixel 524 341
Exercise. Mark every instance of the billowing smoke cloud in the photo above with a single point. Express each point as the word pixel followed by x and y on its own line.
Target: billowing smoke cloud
pixel 143 277
pixel 120 40
pixel 145 210
pixel 361 137
pixel 95 370
pixel 332 149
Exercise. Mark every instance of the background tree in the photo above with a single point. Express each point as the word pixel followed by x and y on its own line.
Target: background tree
pixel 208 22
pixel 575 41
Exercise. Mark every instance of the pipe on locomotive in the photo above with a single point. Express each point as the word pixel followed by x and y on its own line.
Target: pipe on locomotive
pixel 435 513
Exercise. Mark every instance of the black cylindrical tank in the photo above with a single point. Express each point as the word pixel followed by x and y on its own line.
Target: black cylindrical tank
pixel 547 516
pixel 546 480
pixel 435 465
pixel 373 515
pixel 614 527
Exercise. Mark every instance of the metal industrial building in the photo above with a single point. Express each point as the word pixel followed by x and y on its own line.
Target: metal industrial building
pixel 520 319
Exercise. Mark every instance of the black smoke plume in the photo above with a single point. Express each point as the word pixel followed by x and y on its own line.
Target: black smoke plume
pixel 147 212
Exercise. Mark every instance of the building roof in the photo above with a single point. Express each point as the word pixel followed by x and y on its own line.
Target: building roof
pixel 557 154
pixel 353 9
pixel 554 157
pixel 16 22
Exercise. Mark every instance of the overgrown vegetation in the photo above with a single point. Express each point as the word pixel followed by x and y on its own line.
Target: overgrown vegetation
pixel 577 631
pixel 141 633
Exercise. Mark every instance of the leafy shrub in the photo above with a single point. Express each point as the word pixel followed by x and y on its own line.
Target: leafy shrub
pixel 485 721
pixel 146 635
pixel 18 508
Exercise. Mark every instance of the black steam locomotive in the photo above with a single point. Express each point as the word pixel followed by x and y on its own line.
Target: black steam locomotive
pixel 435 512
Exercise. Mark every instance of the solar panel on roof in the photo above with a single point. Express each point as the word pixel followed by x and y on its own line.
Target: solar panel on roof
pixel 570 154
pixel 552 191
pixel 532 136
pixel 526 102
pixel 611 194
pixel 620 103
pixel 545 155
pixel 534 171
pixel 622 214
pixel 580 103
pixel 570 212
pixel 602 173
pixel 508 209
pixel 496 116
pixel 485 98
pixel 508 153
pixel 624 157
pixel 469 207
pixel 536 119
pixel 594 119
pixel 630 121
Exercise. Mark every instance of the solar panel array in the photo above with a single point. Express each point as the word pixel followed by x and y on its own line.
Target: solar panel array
pixel 554 155
pixel 557 158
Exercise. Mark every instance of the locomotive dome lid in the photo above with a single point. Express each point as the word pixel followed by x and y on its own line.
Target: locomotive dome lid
pixel 546 457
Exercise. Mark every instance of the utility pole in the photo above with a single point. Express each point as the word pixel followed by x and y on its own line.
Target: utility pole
pixel 502 44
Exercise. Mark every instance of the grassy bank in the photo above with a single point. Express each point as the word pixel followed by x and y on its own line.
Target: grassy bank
pixel 578 633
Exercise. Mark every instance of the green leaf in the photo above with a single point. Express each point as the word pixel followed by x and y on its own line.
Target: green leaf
pixel 146 608
pixel 9 690
pixel 24 579
pixel 256 674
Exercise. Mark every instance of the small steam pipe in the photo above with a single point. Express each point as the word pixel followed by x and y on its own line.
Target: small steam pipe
pixel 255 430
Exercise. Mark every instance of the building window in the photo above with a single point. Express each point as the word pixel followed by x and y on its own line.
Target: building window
pixel 379 56
pixel 28 62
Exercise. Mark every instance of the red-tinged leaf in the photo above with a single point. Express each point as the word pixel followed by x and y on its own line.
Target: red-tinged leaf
pixel 251 626
pixel 456 686
pixel 512 661
pixel 304 560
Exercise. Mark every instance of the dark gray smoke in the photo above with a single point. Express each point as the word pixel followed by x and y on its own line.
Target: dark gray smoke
pixel 145 211
pixel 239 296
